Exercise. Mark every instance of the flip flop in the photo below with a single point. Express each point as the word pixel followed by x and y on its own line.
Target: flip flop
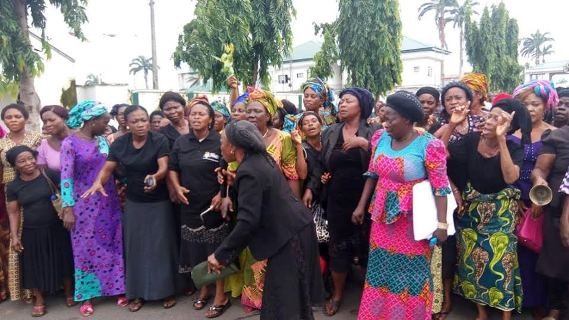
pixel 169 302
pixel 86 309
pixel 70 302
pixel 135 305
pixel 122 301
pixel 200 303
pixel 332 307
pixel 217 310
pixel 38 311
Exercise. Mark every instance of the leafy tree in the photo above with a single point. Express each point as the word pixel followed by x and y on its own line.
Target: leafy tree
pixel 492 47
pixel 328 54
pixel 259 29
pixel 440 7
pixel 93 80
pixel 458 16
pixel 143 64
pixel 369 43
pixel 69 96
pixel 19 63
pixel 535 45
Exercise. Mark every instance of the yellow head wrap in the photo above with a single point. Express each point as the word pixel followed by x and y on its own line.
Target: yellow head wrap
pixel 265 98
pixel 477 82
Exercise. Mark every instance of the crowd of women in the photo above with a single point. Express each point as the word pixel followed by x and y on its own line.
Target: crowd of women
pixel 292 202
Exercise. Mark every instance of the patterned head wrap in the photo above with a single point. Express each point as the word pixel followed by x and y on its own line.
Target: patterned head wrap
pixel 265 98
pixel 477 82
pixel 543 89
pixel 220 107
pixel 321 88
pixel 85 111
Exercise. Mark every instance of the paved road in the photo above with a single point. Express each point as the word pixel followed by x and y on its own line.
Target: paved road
pixel 107 310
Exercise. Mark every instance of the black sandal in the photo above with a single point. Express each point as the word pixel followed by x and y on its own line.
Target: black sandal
pixel 332 307
pixel 217 310
pixel 135 305
pixel 201 303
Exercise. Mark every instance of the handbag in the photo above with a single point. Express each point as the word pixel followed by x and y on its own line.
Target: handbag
pixel 55 195
pixel 202 277
pixel 530 232
pixel 321 223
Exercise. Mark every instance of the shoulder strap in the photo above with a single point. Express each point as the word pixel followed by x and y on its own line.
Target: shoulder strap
pixel 49 182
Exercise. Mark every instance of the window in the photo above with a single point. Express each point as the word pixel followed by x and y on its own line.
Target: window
pixel 430 71
pixel 300 75
pixel 283 78
pixel 416 69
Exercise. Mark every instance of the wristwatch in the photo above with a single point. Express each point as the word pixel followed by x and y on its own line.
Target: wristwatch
pixel 442 226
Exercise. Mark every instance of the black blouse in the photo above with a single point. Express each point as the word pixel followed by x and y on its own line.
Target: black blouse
pixel 485 174
pixel 34 197
pixel 138 163
pixel 170 133
pixel 556 142
pixel 312 181
pixel 196 161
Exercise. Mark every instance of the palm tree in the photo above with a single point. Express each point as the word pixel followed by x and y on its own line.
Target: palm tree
pixel 93 80
pixel 458 15
pixel 546 50
pixel 141 63
pixel 441 8
pixel 534 45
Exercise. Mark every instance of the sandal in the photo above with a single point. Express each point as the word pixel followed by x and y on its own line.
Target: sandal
pixel 201 303
pixel 169 302
pixel 332 307
pixel 189 292
pixel 122 301
pixel 217 310
pixel 70 302
pixel 86 309
pixel 135 305
pixel 38 310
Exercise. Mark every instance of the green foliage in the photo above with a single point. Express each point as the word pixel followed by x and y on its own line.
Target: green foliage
pixel 535 46
pixel 328 54
pixel 69 96
pixel 143 64
pixel 369 43
pixel 259 29
pixel 492 48
pixel 440 7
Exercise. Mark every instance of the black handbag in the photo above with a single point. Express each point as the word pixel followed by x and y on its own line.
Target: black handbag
pixel 211 219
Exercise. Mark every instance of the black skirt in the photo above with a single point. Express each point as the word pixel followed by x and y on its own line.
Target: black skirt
pixel 553 261
pixel 197 244
pixel 47 257
pixel 293 282
pixel 150 250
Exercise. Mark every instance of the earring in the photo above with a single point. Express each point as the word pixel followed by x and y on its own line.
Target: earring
pixel 232 151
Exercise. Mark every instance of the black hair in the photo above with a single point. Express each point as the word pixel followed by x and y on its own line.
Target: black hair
pixel 171 96
pixel 15 106
pixel 58 110
pixel 306 114
pixel 521 120
pixel 281 112
pixel 210 111
pixel 115 109
pixel 289 107
pixel 157 113
pixel 133 108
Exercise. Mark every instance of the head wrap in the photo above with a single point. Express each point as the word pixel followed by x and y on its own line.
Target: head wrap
pixel 456 84
pixel 477 82
pixel 245 135
pixel 220 107
pixel 321 88
pixel 85 111
pixel 543 89
pixel 365 99
pixel 13 153
pixel 265 98
pixel 429 90
pixel 199 98
pixel 407 105
pixel 501 96
pixel 562 92
pixel 521 120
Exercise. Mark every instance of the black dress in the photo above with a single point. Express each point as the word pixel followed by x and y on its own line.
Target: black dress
pixel 148 221
pixel 196 161
pixel 47 257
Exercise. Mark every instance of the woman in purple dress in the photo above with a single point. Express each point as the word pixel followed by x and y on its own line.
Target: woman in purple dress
pixel 95 222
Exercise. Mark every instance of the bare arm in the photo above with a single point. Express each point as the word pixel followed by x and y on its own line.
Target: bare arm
pixel 13 209
pixel 542 169
pixel 102 178
pixel 510 171
pixel 358 214
pixel 179 191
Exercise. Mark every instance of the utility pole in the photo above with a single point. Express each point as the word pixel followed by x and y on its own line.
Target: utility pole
pixel 153 39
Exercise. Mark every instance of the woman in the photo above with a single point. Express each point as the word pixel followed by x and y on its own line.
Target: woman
pixel 156 118
pixel 238 111
pixel 150 261
pixel 317 97
pixel 95 223
pixel 378 114
pixel 310 124
pixel 172 105
pixel 488 270
pixel 54 118
pixel 478 83
pixel 47 261
pixel 537 106
pixel 193 161
pixel 117 112
pixel 274 225
pixel 345 157
pixel 279 119
pixel 561 116
pixel 222 115
pixel 553 261
pixel 398 265
pixel 430 99
pixel 14 117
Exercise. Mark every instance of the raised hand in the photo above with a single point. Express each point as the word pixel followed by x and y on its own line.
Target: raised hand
pixel 459 114
pixel 504 123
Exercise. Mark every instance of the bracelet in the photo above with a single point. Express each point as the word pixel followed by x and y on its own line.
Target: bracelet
pixel 442 226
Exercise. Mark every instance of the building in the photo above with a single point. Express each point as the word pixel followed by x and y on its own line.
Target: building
pixel 423 65
pixel 556 71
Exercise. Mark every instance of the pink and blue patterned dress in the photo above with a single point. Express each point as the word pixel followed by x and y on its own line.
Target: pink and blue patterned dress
pixel 97 236
pixel 398 279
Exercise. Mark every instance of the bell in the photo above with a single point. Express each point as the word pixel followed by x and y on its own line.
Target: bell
pixel 540 195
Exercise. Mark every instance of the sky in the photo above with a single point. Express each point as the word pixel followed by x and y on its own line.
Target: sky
pixel 119 30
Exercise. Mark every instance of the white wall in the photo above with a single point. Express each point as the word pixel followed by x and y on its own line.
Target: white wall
pixel 109 95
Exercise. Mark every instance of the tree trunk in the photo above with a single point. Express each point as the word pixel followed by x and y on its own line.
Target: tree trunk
pixel 153 39
pixel 461 64
pixel 146 79
pixel 255 75
pixel 27 95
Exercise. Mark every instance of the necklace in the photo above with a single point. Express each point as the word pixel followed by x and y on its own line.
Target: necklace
pixel 265 134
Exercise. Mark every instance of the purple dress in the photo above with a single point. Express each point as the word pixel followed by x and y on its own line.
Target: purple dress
pixel 533 284
pixel 97 236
